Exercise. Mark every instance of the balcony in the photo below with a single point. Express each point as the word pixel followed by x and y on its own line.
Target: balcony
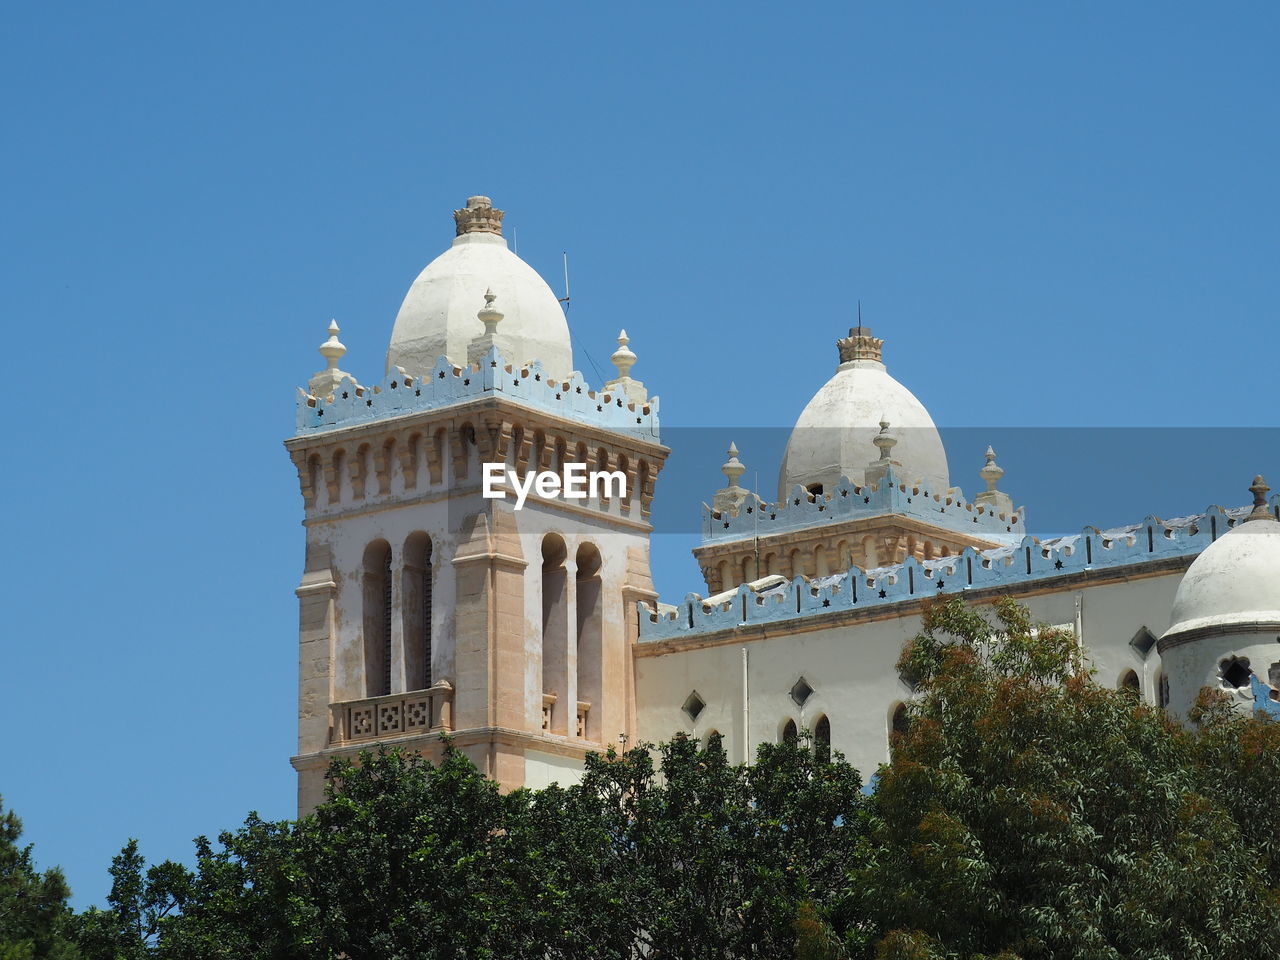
pixel 393 716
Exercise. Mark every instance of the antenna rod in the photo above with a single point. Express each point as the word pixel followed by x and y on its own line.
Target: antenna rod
pixel 565 298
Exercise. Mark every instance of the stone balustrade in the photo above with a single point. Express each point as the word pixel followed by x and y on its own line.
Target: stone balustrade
pixel 393 716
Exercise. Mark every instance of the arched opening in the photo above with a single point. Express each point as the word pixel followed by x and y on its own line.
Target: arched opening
pixel 590 641
pixel 417 592
pixel 1129 682
pixel 1162 688
pixel 789 732
pixel 899 722
pixel 870 556
pixel 315 476
pixel 822 738
pixel 555 634
pixel 377 619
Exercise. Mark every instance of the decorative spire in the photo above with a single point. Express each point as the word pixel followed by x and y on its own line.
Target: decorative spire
pixel 733 468
pixel 624 359
pixel 326 381
pixel 885 441
pixel 996 501
pixel 478 216
pixel 991 471
pixel 490 316
pixel 1259 489
pixel 731 498
pixel 860 345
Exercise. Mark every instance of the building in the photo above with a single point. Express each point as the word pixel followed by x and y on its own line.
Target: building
pixel 524 623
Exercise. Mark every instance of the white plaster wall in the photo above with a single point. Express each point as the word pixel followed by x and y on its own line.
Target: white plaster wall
pixel 851 670
pixel 1191 666
pixel 543 769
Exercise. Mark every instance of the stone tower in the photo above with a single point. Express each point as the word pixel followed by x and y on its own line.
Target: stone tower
pixel 427 607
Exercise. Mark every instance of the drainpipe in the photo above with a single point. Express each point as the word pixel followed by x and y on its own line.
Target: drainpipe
pixel 746 712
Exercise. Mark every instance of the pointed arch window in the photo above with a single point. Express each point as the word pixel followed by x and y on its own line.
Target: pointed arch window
pixel 790 734
pixel 822 738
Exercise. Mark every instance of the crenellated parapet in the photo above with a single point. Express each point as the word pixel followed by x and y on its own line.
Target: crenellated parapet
pixel 779 599
pixel 848 501
pixel 409 439
pixel 446 384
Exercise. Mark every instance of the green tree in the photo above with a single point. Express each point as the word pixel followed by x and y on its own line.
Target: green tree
pixel 142 901
pixel 35 919
pixel 1028 812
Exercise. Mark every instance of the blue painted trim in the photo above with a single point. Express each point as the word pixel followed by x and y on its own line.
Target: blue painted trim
pixel 447 385
pixel 1025 561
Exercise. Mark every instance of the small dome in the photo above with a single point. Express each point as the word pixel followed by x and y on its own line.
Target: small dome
pixel 1235 583
pixel 834 435
pixel 438 316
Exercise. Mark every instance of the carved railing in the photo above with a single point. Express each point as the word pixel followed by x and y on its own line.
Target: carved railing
pixel 395 715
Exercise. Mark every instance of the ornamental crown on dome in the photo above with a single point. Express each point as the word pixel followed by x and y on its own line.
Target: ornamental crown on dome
pixel 860 345
pixel 478 216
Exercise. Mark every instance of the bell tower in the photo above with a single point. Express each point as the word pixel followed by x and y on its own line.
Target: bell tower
pixel 444 591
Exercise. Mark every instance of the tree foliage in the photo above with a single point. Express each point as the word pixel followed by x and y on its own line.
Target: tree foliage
pixel 1025 813
pixel 35 919
pixel 1031 813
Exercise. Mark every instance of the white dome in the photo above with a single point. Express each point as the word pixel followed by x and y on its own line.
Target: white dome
pixel 1235 583
pixel 833 437
pixel 438 316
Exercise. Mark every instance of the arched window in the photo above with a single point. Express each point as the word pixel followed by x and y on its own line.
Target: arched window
pixel 590 641
pixel 1162 688
pixel 417 592
pixel 1129 682
pixel 377 619
pixel 899 721
pixel 555 635
pixel 789 732
pixel 822 737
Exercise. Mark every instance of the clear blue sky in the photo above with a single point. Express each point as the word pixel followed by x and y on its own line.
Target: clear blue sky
pixel 1059 215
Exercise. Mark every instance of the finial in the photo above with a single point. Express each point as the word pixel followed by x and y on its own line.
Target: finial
pixel 333 349
pixel 478 216
pixel 1259 489
pixel 490 315
pixel 324 383
pixel 885 441
pixel 860 344
pixel 623 358
pixel 991 471
pixel 996 501
pixel 733 468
